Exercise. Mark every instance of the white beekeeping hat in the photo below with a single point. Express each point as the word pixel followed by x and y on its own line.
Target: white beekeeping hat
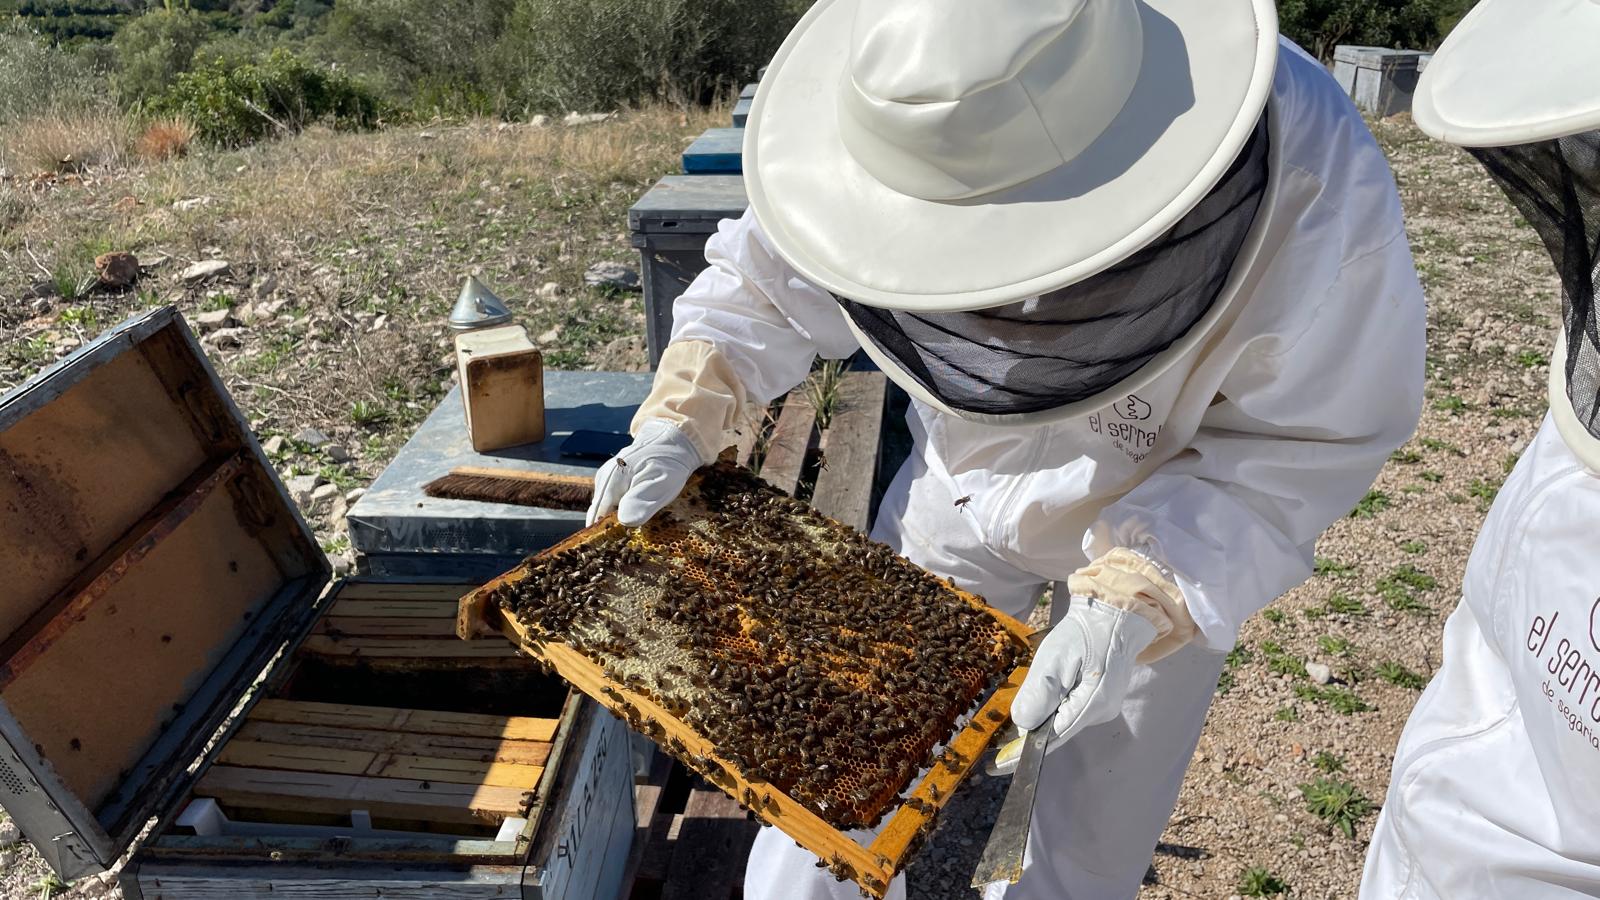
pixel 950 169
pixel 1515 84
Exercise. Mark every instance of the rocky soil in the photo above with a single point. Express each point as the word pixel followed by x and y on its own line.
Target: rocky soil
pixel 319 271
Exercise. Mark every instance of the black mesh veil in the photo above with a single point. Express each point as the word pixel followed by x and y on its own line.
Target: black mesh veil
pixel 1070 344
pixel 1556 186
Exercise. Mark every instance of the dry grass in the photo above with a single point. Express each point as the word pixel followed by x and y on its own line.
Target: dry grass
pixel 68 142
pixel 164 139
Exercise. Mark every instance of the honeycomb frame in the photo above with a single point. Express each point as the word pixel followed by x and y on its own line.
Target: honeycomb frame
pixel 907 822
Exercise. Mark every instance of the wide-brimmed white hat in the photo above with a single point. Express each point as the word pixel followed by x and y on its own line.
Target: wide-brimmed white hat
pixel 946 155
pixel 1513 72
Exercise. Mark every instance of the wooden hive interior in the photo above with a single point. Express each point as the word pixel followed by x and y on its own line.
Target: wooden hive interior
pixel 145 541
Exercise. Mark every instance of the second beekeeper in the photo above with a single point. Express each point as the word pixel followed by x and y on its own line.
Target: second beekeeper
pixel 1141 267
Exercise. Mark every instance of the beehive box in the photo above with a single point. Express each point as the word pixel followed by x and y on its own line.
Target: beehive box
pixel 670 225
pixel 172 652
pixel 397 531
pixel 807 671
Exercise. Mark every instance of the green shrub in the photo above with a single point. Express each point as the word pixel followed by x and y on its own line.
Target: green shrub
pixel 597 55
pixel 436 53
pixel 1320 25
pixel 234 104
pixel 154 49
pixel 37 78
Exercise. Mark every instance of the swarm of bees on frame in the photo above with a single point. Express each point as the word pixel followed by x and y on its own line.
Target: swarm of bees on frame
pixel 814 660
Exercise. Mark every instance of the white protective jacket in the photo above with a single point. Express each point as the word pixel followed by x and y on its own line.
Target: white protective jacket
pixel 1230 464
pixel 1496 784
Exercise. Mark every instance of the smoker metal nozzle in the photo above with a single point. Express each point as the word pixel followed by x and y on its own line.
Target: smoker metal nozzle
pixel 478 307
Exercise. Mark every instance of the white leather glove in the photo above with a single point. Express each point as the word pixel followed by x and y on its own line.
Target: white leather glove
pixel 1080 672
pixel 647 475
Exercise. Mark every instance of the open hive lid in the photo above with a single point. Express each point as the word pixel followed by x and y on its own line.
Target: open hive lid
pixel 154 565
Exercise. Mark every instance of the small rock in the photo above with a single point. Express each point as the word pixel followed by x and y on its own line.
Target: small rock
pixel 264 286
pixel 324 491
pixel 300 489
pixel 342 565
pixel 312 436
pixel 206 269
pixel 425 135
pixel 539 121
pixel 9 833
pixel 117 269
pixel 381 322
pixel 612 275
pixel 549 290
pixel 550 335
pixel 226 338
pixel 8 859
pixel 355 494
pixel 574 118
pixel 337 453
pixel 1319 672
pixel 337 512
pixel 211 320
pixel 274 445
pixel 154 260
pixel 192 203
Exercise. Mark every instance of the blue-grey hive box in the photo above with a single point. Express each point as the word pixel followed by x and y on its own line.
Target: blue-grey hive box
pixel 720 151
pixel 398 531
pixel 1381 81
pixel 670 225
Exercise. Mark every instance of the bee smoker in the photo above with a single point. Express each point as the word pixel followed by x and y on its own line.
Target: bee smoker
pixel 501 372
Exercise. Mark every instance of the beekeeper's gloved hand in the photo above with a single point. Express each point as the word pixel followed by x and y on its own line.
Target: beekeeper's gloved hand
pixel 680 427
pixel 1123 610
pixel 646 476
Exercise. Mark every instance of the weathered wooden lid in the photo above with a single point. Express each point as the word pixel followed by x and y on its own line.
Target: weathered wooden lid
pixel 154 564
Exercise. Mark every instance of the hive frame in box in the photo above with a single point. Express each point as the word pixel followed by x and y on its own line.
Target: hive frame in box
pixel 872 866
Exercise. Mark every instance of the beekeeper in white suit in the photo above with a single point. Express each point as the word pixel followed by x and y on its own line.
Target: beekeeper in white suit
pixel 1496 783
pixel 1142 269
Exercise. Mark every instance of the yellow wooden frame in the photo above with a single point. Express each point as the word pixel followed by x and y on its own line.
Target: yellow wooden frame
pixel 871 866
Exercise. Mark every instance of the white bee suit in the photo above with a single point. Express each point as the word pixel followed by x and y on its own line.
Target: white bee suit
pixel 1225 467
pixel 1497 779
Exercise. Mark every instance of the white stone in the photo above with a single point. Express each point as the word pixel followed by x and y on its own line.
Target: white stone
pixel 575 118
pixel 274 445
pixel 549 290
pixel 381 322
pixel 200 271
pixel 211 320
pixel 324 491
pixel 226 338
pixel 342 565
pixel 1319 672
pixel 313 436
pixel 612 275
pixel 550 335
pixel 191 203
pixel 539 121
pixel 300 489
pixel 355 494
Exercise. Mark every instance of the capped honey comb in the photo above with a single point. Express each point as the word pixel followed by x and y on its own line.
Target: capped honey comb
pixel 808 671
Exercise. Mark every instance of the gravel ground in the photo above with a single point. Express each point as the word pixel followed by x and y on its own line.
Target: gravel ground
pixel 536 210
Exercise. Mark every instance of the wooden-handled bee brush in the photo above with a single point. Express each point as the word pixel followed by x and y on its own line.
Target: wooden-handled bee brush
pixel 513 487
